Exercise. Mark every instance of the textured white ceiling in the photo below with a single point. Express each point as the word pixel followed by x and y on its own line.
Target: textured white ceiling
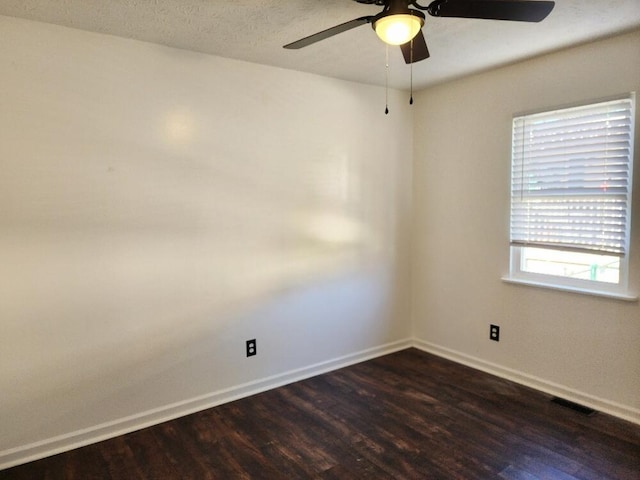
pixel 256 30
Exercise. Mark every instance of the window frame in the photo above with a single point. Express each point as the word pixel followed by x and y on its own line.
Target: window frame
pixel 592 287
pixel 576 285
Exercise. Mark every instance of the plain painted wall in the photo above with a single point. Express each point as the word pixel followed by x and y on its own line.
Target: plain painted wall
pixel 160 207
pixel 585 346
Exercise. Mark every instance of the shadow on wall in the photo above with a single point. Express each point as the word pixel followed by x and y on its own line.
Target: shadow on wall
pixel 122 268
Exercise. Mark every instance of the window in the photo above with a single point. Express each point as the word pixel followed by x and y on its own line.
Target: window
pixel 571 196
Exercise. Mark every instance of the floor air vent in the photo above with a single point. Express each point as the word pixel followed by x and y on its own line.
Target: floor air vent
pixel 574 406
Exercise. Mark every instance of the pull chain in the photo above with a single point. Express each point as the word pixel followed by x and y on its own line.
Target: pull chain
pixel 386 82
pixel 411 67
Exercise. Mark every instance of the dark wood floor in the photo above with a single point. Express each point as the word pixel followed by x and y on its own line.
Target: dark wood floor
pixel 403 416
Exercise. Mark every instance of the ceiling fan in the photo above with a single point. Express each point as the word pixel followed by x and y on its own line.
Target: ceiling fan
pixel 397 24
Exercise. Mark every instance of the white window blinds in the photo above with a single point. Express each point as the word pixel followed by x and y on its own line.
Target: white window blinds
pixel 571 178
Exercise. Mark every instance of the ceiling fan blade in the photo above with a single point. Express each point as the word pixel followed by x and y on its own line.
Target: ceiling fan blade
pixel 420 50
pixel 517 10
pixel 329 32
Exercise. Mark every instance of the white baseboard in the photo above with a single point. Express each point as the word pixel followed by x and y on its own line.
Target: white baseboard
pixel 606 406
pixel 97 433
pixel 80 438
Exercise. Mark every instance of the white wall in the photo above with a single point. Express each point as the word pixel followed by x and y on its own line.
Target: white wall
pixel 582 347
pixel 160 207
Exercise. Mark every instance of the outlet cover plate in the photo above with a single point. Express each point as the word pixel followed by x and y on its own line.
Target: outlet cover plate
pixel 252 348
pixel 494 333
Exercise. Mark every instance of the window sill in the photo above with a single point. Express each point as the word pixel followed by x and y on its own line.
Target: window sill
pixel 566 288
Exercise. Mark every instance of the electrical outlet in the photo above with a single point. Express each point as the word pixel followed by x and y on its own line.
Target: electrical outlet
pixel 251 348
pixel 494 333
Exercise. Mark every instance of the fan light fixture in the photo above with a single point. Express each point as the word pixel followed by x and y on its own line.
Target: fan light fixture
pixel 398 28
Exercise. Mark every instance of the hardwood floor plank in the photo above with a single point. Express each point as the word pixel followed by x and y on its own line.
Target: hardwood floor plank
pixel 409 415
pixel 148 456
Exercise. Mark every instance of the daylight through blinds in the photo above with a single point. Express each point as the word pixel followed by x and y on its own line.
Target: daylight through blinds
pixel 571 177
